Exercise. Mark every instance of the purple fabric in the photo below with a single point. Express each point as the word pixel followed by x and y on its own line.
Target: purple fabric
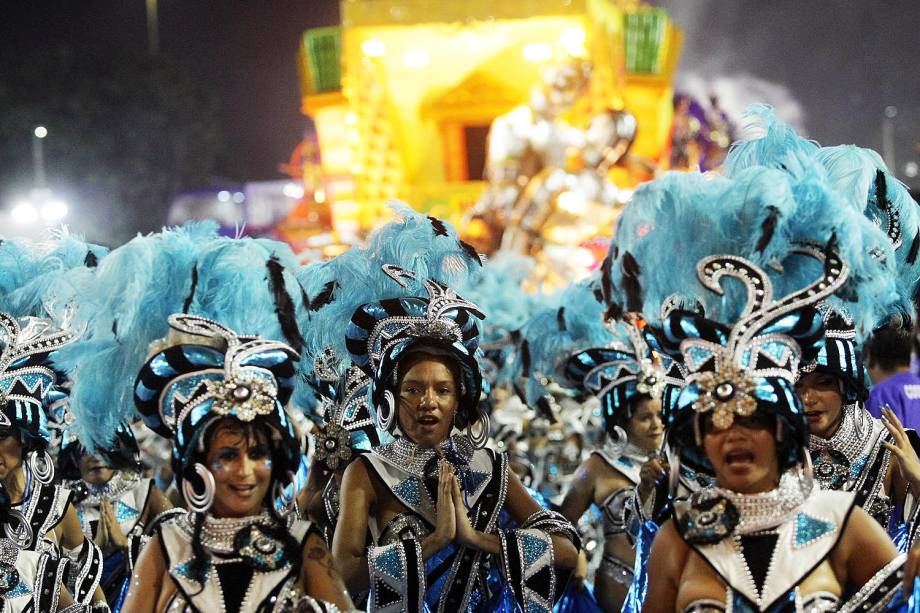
pixel 902 393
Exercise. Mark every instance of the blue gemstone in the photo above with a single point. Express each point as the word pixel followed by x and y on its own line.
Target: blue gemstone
pixel 857 466
pixel 808 529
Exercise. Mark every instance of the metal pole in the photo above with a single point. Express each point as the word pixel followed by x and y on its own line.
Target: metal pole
pixel 153 30
pixel 38 161
pixel 888 138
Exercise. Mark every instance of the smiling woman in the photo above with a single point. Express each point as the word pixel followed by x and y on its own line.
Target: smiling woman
pixel 220 397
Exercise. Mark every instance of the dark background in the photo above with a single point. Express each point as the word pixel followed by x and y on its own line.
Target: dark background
pixel 220 105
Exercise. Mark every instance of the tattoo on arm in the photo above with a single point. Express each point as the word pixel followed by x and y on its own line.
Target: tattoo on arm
pixel 321 556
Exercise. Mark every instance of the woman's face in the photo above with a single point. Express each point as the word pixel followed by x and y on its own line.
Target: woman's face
pixel 94 470
pixel 10 453
pixel 743 455
pixel 241 463
pixel 823 399
pixel 646 430
pixel 428 400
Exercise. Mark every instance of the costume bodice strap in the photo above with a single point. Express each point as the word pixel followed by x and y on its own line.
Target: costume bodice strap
pixel 271 582
pixel 802 542
pixel 44 509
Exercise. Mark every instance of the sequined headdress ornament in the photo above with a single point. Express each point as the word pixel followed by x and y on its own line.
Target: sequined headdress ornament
pixel 27 376
pixel 839 354
pixel 752 365
pixel 348 426
pixel 444 323
pixel 209 372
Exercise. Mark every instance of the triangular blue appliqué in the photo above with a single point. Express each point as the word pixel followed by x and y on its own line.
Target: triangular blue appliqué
pixel 21 589
pixel 409 490
pixel 390 563
pixel 533 548
pixel 476 480
pixel 125 512
pixel 809 529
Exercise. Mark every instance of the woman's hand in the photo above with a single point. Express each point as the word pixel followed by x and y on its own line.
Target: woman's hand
pixel 901 449
pixel 651 473
pixel 445 529
pixel 466 534
pixel 111 537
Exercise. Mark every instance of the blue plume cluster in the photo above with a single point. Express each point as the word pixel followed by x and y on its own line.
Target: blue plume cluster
pixel 35 278
pixel 427 247
pixel 246 284
pixel 760 213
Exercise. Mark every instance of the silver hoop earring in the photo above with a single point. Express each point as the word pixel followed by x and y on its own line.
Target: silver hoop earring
pixel 386 420
pixel 617 441
pixel 42 467
pixel 808 474
pixel 673 472
pixel 199 502
pixel 22 534
pixel 485 423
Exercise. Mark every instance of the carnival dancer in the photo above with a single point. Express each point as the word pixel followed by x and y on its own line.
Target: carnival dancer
pixel 621 474
pixel 220 397
pixel 26 467
pixel 432 499
pixel 764 536
pixel 115 503
pixel 851 450
pixel 569 343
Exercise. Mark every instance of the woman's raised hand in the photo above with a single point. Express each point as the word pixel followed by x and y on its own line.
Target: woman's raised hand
pixel 446 523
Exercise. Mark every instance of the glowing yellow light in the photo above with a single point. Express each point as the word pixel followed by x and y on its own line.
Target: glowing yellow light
pixel 572 202
pixel 537 52
pixel 373 47
pixel 40 132
pixel 319 196
pixel 415 58
pixel 573 41
pixel 584 258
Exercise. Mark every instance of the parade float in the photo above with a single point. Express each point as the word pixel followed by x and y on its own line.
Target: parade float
pixel 528 124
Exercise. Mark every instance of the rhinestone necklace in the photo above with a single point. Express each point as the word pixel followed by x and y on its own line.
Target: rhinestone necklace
pixel 850 438
pixel 412 458
pixel 217 533
pixel 110 490
pixel 759 512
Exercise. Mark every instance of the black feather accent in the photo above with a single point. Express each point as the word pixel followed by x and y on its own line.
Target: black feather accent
pixel 631 285
pixel 324 297
pixel 525 358
pixel 598 294
pixel 115 328
pixel 515 336
pixel 545 409
pixel 186 305
pixel 471 252
pixel 284 306
pixel 90 261
pixel 881 190
pixel 914 247
pixel 606 280
pixel 438 226
pixel 614 312
pixel 767 228
pixel 560 319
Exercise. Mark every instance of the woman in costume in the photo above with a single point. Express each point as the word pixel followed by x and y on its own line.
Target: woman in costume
pixel 572 345
pixel 432 499
pixel 764 537
pixel 850 449
pixel 26 467
pixel 622 473
pixel 115 503
pixel 220 397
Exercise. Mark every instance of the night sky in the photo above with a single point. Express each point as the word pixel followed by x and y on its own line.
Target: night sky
pixel 830 66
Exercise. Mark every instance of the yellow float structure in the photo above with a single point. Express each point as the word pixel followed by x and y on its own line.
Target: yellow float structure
pixel 402 94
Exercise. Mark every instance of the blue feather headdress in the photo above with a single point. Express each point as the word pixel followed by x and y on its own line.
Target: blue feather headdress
pixel 424 248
